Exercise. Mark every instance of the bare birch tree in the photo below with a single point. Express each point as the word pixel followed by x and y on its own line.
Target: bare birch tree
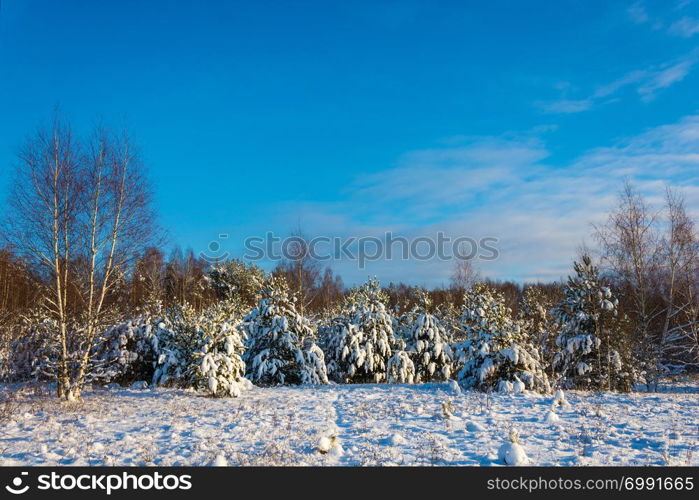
pixel 82 213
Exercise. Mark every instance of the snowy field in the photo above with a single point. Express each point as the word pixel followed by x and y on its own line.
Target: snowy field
pixel 347 425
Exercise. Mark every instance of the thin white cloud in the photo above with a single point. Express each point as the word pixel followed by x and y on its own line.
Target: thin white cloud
pixel 638 14
pixel 568 105
pixel 647 82
pixel 663 78
pixel 686 27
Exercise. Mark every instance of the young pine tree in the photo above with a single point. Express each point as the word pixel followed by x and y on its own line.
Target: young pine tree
pixel 496 354
pixel 281 348
pixel 362 340
pixel 587 317
pixel 217 366
pixel 431 353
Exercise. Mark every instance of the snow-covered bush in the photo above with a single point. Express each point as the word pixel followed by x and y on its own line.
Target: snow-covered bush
pixel 281 348
pixel 512 452
pixel 586 357
pixel 496 353
pixel 431 353
pixel 362 338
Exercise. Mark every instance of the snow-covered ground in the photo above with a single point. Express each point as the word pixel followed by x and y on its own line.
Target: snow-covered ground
pixel 348 425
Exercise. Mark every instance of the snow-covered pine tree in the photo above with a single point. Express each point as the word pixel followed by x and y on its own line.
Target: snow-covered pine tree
pixel 403 325
pixel 400 369
pixel 126 352
pixel 281 348
pixel 236 280
pixel 217 366
pixel 448 315
pixel 538 325
pixel 427 344
pixel 179 338
pixel 362 339
pixel 496 354
pixel 586 357
pixel 32 351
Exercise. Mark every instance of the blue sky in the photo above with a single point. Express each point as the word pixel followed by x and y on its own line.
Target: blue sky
pixel 516 120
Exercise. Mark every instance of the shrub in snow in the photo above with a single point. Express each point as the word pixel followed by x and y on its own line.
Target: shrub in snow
pixel 586 357
pixel 401 369
pixel 217 366
pixel 559 399
pixel 431 353
pixel 512 453
pixel 496 353
pixel 281 348
pixel 362 339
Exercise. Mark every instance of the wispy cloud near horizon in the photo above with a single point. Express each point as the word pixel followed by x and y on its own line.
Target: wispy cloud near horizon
pixel 506 188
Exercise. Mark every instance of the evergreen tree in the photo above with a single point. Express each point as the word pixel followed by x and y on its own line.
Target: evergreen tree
pixel 281 348
pixel 235 280
pixel 496 354
pixel 127 352
pixel 178 338
pixel 586 357
pixel 401 369
pixel 431 353
pixel 217 364
pixel 538 325
pixel 362 339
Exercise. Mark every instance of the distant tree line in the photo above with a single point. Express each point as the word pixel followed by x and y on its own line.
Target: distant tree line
pixel 81 251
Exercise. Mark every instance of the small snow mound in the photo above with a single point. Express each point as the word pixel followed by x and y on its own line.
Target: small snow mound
pixel 220 461
pixel 396 439
pixel 551 417
pixel 512 453
pixel 140 385
pixel 336 451
pixel 454 387
pixel 474 427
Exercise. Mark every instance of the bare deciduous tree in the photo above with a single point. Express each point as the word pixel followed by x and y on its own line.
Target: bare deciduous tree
pixel 81 212
pixel 465 275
